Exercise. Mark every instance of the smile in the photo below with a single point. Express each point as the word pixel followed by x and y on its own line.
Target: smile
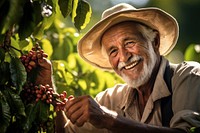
pixel 132 64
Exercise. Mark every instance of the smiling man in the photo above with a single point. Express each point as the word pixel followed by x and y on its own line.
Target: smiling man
pixel 133 42
pixel 131 54
pixel 158 97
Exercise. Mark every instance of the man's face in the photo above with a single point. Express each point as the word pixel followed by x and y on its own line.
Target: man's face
pixel 131 56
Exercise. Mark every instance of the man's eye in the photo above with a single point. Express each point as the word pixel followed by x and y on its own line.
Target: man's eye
pixel 130 44
pixel 113 52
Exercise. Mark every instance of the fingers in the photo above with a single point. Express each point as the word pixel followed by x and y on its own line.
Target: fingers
pixel 74 116
pixel 84 109
pixel 81 120
pixel 45 63
pixel 70 103
pixel 77 110
pixel 42 62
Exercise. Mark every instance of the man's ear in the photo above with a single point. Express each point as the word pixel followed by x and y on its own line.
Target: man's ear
pixel 156 43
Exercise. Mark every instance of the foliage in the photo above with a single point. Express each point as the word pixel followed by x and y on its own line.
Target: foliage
pixel 194 129
pixel 23 24
pixel 193 52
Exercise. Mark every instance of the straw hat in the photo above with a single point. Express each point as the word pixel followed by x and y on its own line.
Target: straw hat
pixel 89 46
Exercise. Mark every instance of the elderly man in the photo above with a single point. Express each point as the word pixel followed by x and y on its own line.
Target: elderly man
pixel 158 97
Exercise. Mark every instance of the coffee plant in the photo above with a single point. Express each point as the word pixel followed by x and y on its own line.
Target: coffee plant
pixel 25 106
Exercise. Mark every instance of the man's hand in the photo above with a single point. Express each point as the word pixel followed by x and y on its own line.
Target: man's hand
pixel 84 109
pixel 44 72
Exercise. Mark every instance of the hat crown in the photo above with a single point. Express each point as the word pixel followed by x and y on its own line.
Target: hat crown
pixel 118 8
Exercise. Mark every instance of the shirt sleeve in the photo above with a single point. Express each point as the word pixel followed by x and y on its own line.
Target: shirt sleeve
pixel 186 96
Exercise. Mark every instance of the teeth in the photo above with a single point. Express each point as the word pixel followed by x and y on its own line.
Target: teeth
pixel 131 65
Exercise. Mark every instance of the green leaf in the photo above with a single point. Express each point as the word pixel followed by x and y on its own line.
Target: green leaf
pixel 45 23
pixel 83 84
pixel 68 46
pixel 83 15
pixel 5 73
pixel 16 105
pixel 15 11
pixel 193 52
pixel 47 47
pixel 2 54
pixel 36 113
pixel 194 129
pixel 15 44
pixel 24 43
pixel 64 49
pixel 39 31
pixel 18 73
pixel 31 115
pixel 75 5
pixel 65 7
pixel 37 12
pixel 43 111
pixel 4 9
pixel 30 19
pixel 26 25
pixel 5 115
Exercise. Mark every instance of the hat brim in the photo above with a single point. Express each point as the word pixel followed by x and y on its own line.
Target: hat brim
pixel 89 46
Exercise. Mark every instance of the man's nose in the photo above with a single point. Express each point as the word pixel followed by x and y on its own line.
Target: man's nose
pixel 124 55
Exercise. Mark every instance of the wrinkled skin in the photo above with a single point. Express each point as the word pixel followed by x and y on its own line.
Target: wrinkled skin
pixel 44 73
pixel 84 109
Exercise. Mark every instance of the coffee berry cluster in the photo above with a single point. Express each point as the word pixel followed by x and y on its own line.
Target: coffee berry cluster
pixel 33 93
pixel 30 60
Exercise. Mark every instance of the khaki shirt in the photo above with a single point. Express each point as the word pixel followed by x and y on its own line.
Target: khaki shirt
pixel 185 100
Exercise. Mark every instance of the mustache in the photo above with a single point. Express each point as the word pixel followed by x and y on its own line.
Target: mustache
pixel 129 61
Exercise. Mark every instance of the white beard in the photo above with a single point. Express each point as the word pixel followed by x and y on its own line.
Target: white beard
pixel 147 70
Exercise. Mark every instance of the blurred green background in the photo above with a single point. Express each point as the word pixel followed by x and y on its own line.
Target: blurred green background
pixel 187 48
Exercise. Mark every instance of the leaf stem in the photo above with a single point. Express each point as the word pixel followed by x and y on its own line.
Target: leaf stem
pixel 16 49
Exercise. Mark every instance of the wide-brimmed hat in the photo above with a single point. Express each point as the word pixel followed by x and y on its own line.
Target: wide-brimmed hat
pixel 90 47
